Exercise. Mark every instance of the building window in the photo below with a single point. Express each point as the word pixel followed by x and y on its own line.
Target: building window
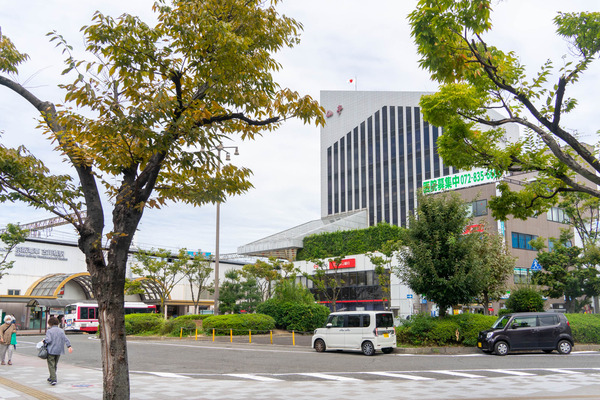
pixel 522 275
pixel 521 241
pixel 551 243
pixel 14 292
pixel 557 215
pixel 477 208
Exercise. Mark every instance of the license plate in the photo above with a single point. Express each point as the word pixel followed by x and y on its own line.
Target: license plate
pixel 478 344
pixel 386 335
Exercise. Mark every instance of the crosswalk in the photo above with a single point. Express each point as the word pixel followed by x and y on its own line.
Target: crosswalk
pixel 425 375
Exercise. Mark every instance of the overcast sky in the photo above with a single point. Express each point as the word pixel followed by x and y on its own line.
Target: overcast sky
pixel 342 39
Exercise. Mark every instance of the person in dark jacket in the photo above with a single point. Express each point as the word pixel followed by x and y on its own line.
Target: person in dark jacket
pixel 55 341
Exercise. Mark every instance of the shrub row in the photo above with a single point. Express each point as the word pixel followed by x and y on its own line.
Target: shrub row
pixel 240 324
pixel 463 329
pixel 154 324
pixel 424 330
pixel 294 316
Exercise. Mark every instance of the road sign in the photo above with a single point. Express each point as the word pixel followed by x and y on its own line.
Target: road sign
pixel 535 265
pixel 409 296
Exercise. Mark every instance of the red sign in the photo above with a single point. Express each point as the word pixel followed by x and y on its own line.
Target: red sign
pixel 348 263
pixel 473 228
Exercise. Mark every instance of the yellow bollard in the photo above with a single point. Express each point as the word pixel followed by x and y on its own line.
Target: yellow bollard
pixel 271 334
pixel 213 334
pixel 180 333
pixel 196 333
pixel 249 336
pixel 231 335
pixel 293 338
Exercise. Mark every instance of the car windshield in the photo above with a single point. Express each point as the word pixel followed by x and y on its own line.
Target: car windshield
pixel 501 322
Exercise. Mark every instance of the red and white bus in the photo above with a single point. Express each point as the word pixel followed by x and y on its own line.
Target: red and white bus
pixel 83 317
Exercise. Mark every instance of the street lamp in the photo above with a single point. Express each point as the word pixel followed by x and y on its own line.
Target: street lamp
pixel 219 148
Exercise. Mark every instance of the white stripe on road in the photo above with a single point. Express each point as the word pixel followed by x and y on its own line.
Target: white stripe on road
pixel 402 376
pixel 455 373
pixel 329 377
pixel 255 377
pixel 562 371
pixel 510 372
pixel 163 374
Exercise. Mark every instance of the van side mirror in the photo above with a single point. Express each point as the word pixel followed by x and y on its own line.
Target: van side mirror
pixel 329 325
pixel 515 325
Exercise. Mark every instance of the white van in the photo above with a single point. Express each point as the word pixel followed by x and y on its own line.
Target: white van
pixel 366 331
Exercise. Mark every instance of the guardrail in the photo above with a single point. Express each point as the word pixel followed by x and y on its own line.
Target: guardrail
pixel 215 333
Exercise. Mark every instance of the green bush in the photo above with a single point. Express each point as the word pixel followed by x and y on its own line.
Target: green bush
pixel 525 299
pixel 424 330
pixel 173 326
pixel 585 327
pixel 136 324
pixel 239 323
pixel 295 316
pixel 194 317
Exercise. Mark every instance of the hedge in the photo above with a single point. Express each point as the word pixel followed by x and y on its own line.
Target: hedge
pixel 136 324
pixel 239 323
pixel 424 330
pixel 358 241
pixel 294 316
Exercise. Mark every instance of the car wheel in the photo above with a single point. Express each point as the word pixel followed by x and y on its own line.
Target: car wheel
pixel 387 350
pixel 564 347
pixel 501 348
pixel 320 345
pixel 548 351
pixel 368 349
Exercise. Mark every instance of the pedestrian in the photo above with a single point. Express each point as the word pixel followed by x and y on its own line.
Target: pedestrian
pixel 6 331
pixel 13 341
pixel 55 341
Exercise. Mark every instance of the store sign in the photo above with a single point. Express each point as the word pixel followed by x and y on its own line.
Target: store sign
pixel 477 176
pixel 347 263
pixel 33 252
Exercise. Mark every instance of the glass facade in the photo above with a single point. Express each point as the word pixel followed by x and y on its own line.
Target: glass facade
pixel 381 163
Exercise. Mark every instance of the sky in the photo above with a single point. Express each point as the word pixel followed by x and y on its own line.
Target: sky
pixel 342 39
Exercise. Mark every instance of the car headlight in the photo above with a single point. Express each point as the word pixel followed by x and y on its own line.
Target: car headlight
pixel 489 335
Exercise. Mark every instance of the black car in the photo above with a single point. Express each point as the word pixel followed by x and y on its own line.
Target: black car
pixel 527 331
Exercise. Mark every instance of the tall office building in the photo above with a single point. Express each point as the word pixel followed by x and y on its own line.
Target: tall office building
pixel 376 151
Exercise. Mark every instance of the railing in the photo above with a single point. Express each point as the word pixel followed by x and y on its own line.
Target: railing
pixel 238 333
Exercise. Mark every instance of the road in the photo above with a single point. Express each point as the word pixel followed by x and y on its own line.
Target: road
pixel 205 370
pixel 224 360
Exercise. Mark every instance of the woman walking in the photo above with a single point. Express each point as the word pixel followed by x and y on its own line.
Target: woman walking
pixel 6 331
pixel 55 341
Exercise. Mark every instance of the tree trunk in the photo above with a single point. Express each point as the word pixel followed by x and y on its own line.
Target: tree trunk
pixel 108 289
pixel 486 304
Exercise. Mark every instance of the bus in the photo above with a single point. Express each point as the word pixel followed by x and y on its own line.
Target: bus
pixel 83 317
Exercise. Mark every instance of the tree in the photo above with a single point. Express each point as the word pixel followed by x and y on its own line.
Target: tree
pixel 439 261
pixel 238 294
pixel 525 299
pixel 327 280
pixel 583 212
pixel 131 121
pixel 495 265
pixel 162 267
pixel 383 268
pixel 11 236
pixel 476 77
pixel 266 273
pixel 197 271
pixel 567 271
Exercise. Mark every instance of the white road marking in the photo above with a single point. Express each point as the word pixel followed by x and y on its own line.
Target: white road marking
pixel 330 377
pixel 255 377
pixel 162 374
pixel 510 372
pixel 402 376
pixel 456 373
pixel 562 371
